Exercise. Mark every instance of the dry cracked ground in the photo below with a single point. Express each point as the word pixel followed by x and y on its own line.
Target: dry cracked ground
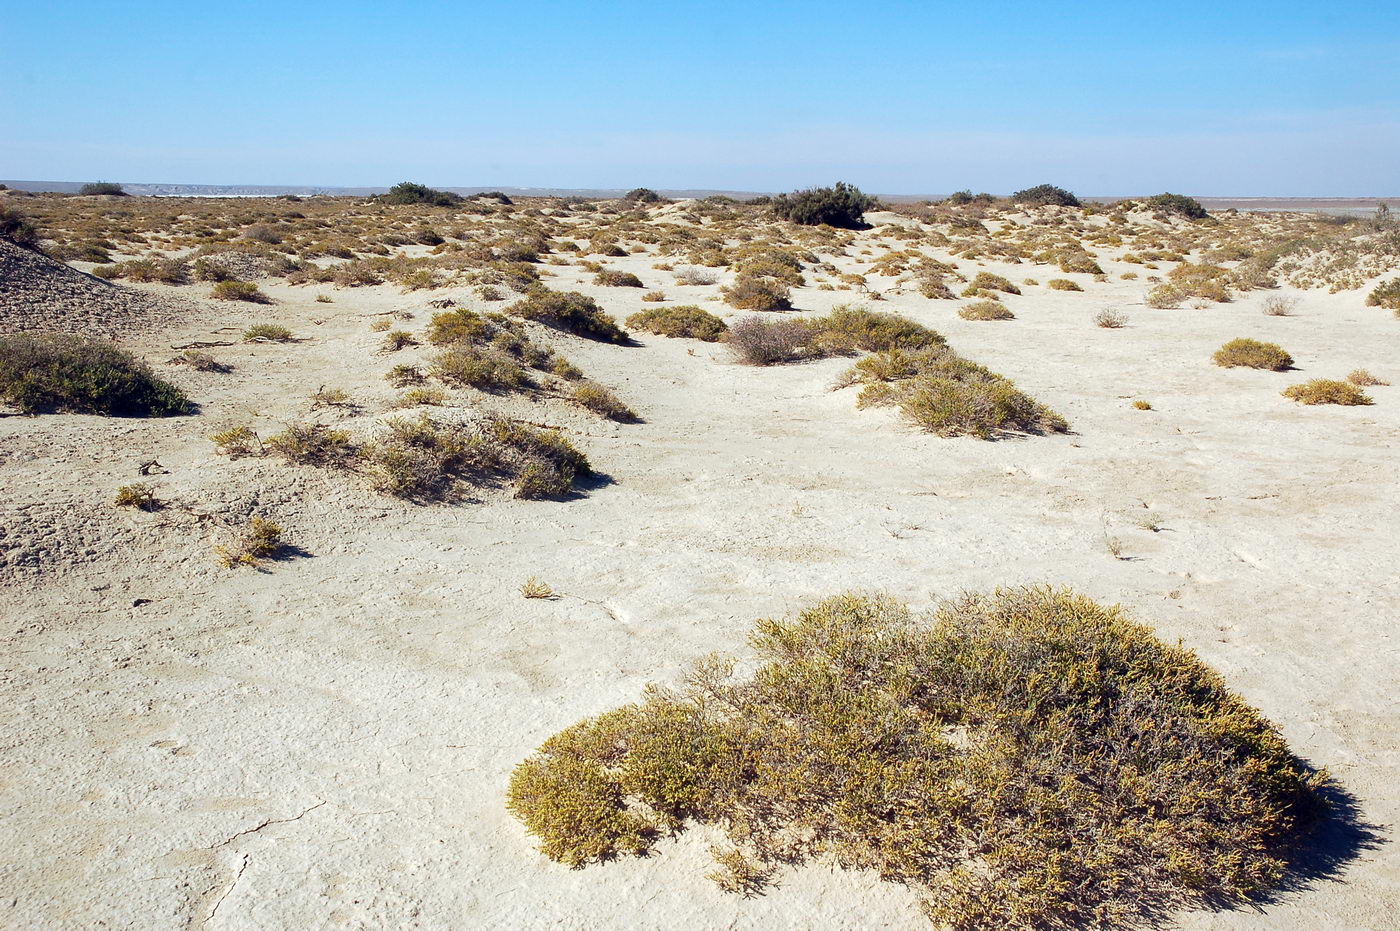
pixel 325 740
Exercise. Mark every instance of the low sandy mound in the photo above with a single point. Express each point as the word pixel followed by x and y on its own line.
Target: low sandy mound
pixel 39 293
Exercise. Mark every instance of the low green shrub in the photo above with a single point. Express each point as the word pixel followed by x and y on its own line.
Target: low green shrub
pixel 231 290
pixel 409 192
pixel 612 278
pixel 855 329
pixel 986 310
pixel 570 311
pixel 138 495
pixel 16 228
pixel 986 281
pixel 1026 758
pixel 267 332
pixel 315 445
pixel 685 320
pixel 102 187
pixel 602 400
pixel 1179 204
pixel 1327 391
pixel 1251 353
pixel 1386 294
pixel 84 375
pixel 752 293
pixel 1062 284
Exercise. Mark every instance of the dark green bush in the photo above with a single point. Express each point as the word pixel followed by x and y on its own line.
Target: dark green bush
pixel 612 278
pixel 1021 759
pixel 408 192
pixel 1045 195
pixel 102 187
pixel 642 195
pixel 83 375
pixel 15 227
pixel 1179 204
pixel 965 197
pixel 842 206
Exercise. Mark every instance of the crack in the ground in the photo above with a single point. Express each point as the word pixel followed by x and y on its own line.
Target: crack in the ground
pixel 267 823
pixel 247 858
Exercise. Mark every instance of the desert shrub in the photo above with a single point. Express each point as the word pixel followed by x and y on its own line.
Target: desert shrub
pixel 695 276
pixel 138 495
pixel 946 394
pixel 750 293
pixel 612 278
pixel 483 368
pixel 986 310
pixel 313 444
pixel 403 375
pixel 756 341
pixel 395 340
pixel 1251 353
pixel 331 397
pixel 1327 391
pixel 1142 405
pixel 1386 294
pixel 426 396
pixel 423 459
pixel 685 320
pixel 654 297
pixel 84 375
pixel 1110 319
pixel 1276 305
pixel 986 281
pixel 1062 284
pixel 201 361
pixel 964 197
pixel 1364 378
pixel 642 195
pixel 1205 281
pixel 102 187
pixel 601 400
pixel 408 192
pixel 1045 195
pixel 267 332
pixel 854 329
pixel 1179 204
pixel 16 228
pixel 545 464
pixel 1164 297
pixel 570 311
pixel 381 325
pixel 237 441
pixel 260 539
pixel 842 206
pixel 534 588
pixel 324 299
pixel 1026 758
pixel 230 290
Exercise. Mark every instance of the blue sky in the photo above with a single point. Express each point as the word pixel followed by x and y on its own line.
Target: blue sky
pixel 1243 98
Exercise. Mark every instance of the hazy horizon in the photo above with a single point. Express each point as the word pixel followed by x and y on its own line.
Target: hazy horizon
pixel 1249 99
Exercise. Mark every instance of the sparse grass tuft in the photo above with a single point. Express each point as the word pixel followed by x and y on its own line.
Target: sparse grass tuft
pixel 1142 405
pixel 1251 353
pixel 534 588
pixel 1327 391
pixel 1365 379
pixel 601 400
pixel 138 495
pixel 1387 295
pixel 1276 305
pixel 268 333
pixel 315 445
pixel 1110 319
pixel 237 441
pixel 395 340
pixel 260 539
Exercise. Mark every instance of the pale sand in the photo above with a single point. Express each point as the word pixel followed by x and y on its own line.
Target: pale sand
pixel 327 744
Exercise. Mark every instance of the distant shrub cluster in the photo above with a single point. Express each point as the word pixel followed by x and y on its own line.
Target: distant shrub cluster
pixel 684 320
pixel 1179 204
pixel 642 195
pixel 1043 195
pixel 965 197
pixel 83 375
pixel 102 187
pixel 409 192
pixel 1026 758
pixel 842 206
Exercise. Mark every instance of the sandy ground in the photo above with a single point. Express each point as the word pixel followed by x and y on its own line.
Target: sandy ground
pixel 327 743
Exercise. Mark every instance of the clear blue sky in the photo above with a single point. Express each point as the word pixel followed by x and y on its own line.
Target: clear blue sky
pixel 1280 97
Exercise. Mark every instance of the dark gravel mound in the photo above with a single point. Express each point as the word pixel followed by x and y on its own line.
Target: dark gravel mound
pixel 39 293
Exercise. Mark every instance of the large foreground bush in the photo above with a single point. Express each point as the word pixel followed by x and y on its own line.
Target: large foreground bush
pixel 1024 759
pixel 685 320
pixel 841 206
pixel 570 311
pixel 84 375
